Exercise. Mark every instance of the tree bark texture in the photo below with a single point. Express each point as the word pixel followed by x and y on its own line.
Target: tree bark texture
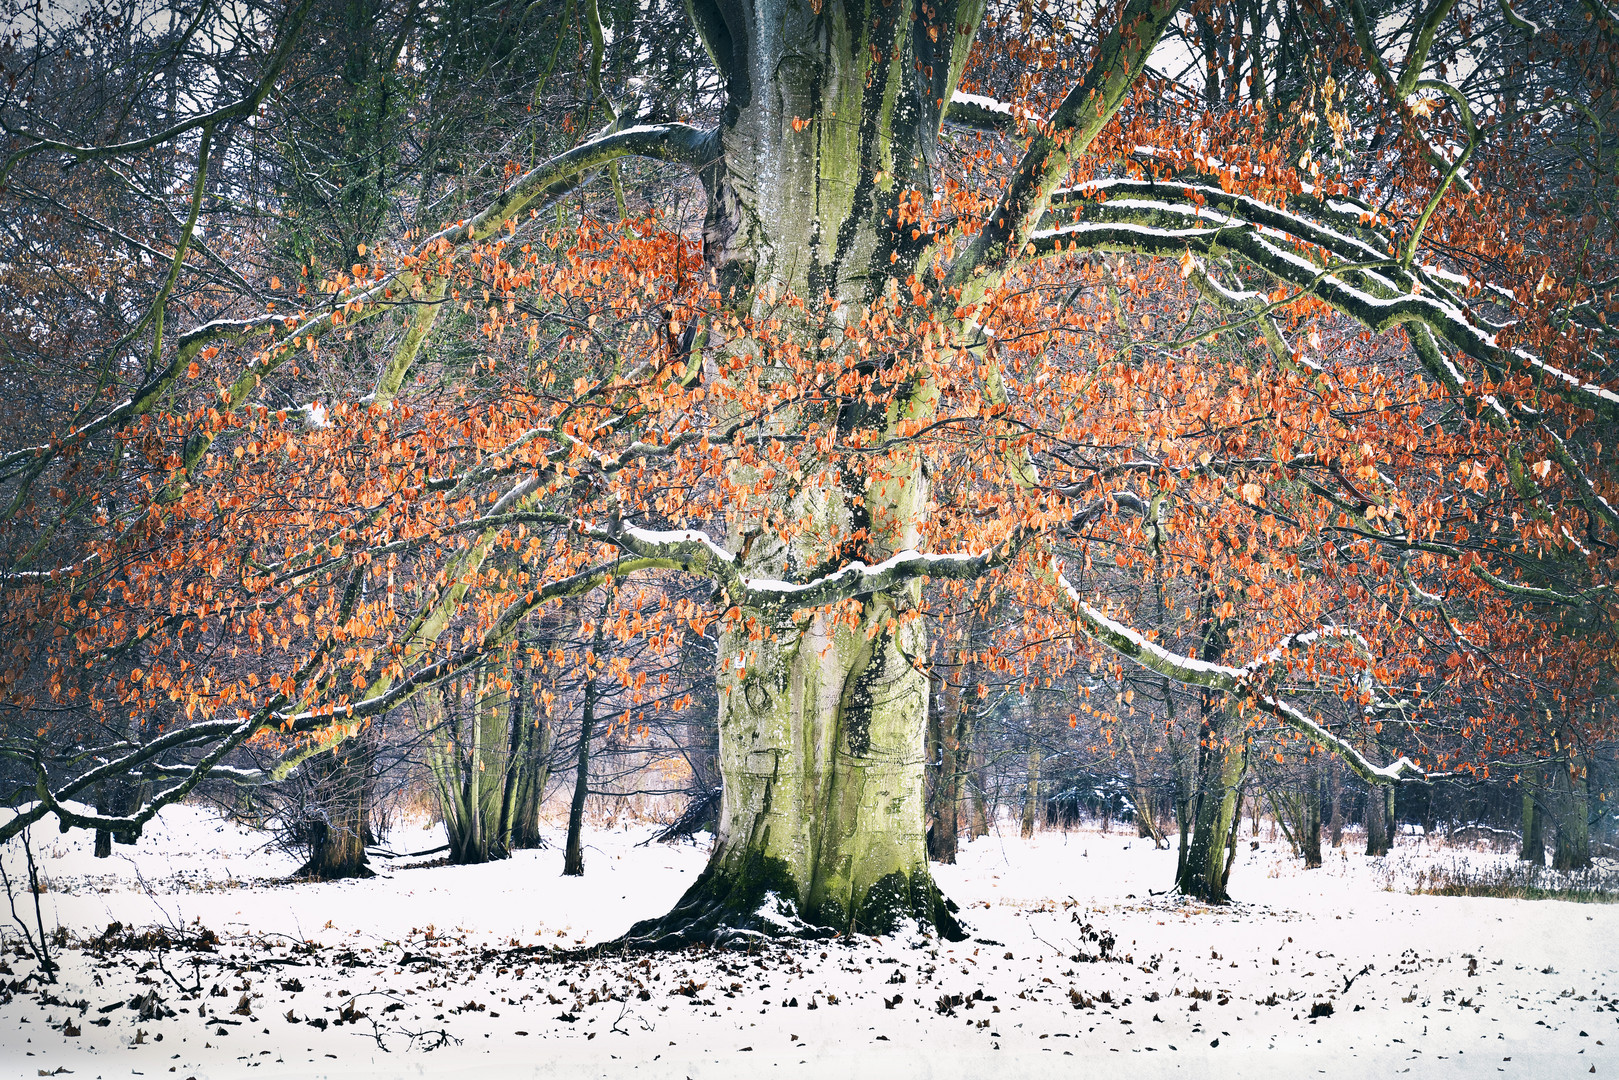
pixel 1031 794
pixel 468 756
pixel 832 118
pixel 1310 823
pixel 1572 812
pixel 947 751
pixel 1222 763
pixel 1335 790
pixel 1379 820
pixel 340 819
pixel 573 857
pixel 1533 848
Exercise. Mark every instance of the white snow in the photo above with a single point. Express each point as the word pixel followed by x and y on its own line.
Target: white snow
pixel 1437 986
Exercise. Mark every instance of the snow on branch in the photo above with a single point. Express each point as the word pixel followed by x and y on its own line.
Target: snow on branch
pixel 695 552
pixel 986 113
pixel 1165 227
pixel 1246 683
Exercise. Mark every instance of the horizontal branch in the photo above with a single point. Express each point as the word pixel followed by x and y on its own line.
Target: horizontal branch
pixel 1165 228
pixel 1244 683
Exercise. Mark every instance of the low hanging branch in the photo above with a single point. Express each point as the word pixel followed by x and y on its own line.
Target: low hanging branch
pixel 1246 684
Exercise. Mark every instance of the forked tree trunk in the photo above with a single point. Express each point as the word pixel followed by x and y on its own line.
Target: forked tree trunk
pixel 1335 785
pixel 527 769
pixel 531 783
pixel 832 119
pixel 468 756
pixel 1533 848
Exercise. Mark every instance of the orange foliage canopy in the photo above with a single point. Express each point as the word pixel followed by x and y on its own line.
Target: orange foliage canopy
pixel 1345 413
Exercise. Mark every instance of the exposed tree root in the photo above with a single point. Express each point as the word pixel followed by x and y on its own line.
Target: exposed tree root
pixel 727 908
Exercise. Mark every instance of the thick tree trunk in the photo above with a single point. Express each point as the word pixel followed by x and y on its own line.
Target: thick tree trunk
pixel 341 817
pixel 821 815
pixel 1204 866
pixel 832 120
pixel 1533 849
pixel 1573 822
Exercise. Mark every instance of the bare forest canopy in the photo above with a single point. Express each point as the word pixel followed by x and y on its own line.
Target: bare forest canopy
pixel 829 409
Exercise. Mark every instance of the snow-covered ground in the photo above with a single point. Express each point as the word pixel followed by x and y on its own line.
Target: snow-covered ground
pixel 454 971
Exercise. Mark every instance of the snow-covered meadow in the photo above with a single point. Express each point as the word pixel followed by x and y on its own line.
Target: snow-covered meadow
pixel 432 970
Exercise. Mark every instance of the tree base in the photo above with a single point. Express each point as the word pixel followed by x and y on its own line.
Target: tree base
pixel 728 909
pixel 314 870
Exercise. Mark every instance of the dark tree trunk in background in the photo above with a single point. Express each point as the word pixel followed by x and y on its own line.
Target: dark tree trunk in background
pixel 573 859
pixel 1533 849
pixel 1335 783
pixel 947 758
pixel 340 820
pixel 117 798
pixel 1379 820
pixel 1572 811
pixel 1031 793
pixel 1310 823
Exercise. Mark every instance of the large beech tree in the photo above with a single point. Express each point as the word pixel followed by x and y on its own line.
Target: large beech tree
pixel 1294 354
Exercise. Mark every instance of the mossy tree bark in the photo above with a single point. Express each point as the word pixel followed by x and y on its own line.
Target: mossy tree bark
pixel 528 769
pixel 821 811
pixel 1205 867
pixel 468 757
pixel 1571 802
pixel 832 119
pixel 1533 847
pixel 828 137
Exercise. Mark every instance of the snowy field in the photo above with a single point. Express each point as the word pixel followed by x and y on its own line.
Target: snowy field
pixel 464 971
